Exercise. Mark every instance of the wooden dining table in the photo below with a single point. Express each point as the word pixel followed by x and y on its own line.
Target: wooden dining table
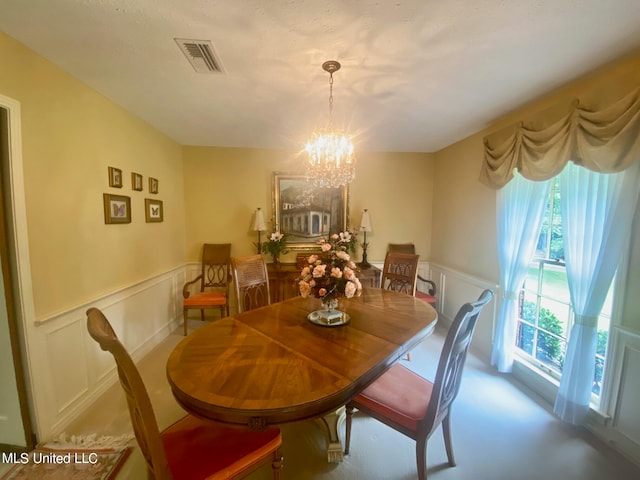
pixel 272 365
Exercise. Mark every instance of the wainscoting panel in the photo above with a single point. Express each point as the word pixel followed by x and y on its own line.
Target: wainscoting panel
pixel 72 370
pixel 69 377
pixel 626 421
pixel 457 288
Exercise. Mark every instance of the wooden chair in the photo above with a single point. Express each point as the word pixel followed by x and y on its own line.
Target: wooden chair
pixel 399 272
pixel 413 405
pixel 214 281
pixel 191 448
pixel 430 295
pixel 251 282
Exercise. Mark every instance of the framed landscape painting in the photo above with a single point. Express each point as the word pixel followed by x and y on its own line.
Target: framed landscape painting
pixel 307 213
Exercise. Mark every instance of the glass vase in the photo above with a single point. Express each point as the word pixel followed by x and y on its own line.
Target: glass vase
pixel 330 304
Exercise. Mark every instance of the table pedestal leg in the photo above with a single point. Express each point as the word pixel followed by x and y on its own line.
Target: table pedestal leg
pixel 332 422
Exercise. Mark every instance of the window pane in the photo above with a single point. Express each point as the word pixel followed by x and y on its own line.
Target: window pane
pixel 555 312
pixel 531 280
pixel 554 282
pixel 551 338
pixel 524 337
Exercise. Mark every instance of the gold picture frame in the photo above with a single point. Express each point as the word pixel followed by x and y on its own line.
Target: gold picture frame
pixel 115 177
pixel 136 182
pixel 117 208
pixel 307 213
pixel 153 185
pixel 153 211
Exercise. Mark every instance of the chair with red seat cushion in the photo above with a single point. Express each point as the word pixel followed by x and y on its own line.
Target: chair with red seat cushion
pixel 191 448
pixel 414 406
pixel 214 282
pixel 430 295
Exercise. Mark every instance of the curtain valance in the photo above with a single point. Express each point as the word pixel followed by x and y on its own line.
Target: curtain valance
pixel 604 141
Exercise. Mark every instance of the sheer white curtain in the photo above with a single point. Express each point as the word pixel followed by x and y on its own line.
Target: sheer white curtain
pixel 520 211
pixel 597 214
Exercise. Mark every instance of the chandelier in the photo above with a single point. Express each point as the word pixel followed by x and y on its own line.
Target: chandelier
pixel 331 159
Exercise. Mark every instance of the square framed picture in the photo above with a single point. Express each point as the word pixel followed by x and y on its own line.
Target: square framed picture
pixel 117 208
pixel 153 185
pixel 115 177
pixel 136 181
pixel 153 210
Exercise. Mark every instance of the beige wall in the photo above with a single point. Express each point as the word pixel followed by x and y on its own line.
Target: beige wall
pixel 224 186
pixel 464 226
pixel 464 222
pixel 70 136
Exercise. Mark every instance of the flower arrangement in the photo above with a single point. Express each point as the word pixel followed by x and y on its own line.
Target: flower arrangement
pixel 331 273
pixel 276 245
pixel 349 240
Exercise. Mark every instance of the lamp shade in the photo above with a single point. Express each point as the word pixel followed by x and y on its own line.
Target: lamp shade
pixel 365 222
pixel 259 225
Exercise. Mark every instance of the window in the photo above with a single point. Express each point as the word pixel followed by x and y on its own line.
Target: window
pixel 545 313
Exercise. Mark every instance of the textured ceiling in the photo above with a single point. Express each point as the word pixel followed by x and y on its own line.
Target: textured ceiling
pixel 416 75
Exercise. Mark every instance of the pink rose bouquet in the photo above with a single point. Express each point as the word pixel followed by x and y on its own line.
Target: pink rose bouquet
pixel 331 273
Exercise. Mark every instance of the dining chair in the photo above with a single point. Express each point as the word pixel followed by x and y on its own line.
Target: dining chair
pixel 191 448
pixel 214 282
pixel 411 404
pixel 251 282
pixel 399 272
pixel 430 295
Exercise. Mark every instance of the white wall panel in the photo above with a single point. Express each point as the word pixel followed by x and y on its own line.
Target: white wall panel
pixel 454 290
pixel 624 429
pixel 77 370
pixel 69 376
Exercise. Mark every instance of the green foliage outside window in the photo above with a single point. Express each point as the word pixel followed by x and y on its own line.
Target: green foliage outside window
pixel 549 348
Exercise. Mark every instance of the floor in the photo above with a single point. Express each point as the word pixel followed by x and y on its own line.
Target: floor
pixel 499 433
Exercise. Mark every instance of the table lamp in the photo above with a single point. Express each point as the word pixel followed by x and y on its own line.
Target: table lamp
pixel 259 226
pixel 365 226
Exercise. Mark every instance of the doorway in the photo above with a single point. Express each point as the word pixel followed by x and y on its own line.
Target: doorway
pixel 16 430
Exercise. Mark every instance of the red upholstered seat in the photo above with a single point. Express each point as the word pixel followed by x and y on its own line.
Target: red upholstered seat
pixel 430 299
pixel 197 449
pixel 399 394
pixel 213 298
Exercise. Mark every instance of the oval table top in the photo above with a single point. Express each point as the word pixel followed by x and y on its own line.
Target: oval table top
pixel 271 365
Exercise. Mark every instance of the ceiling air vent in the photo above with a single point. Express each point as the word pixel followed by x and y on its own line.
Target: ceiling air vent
pixel 200 55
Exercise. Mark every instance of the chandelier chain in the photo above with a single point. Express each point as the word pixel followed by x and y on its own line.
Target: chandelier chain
pixel 331 100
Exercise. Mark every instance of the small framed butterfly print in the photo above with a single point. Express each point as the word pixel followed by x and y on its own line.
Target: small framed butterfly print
pixel 117 208
pixel 153 210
